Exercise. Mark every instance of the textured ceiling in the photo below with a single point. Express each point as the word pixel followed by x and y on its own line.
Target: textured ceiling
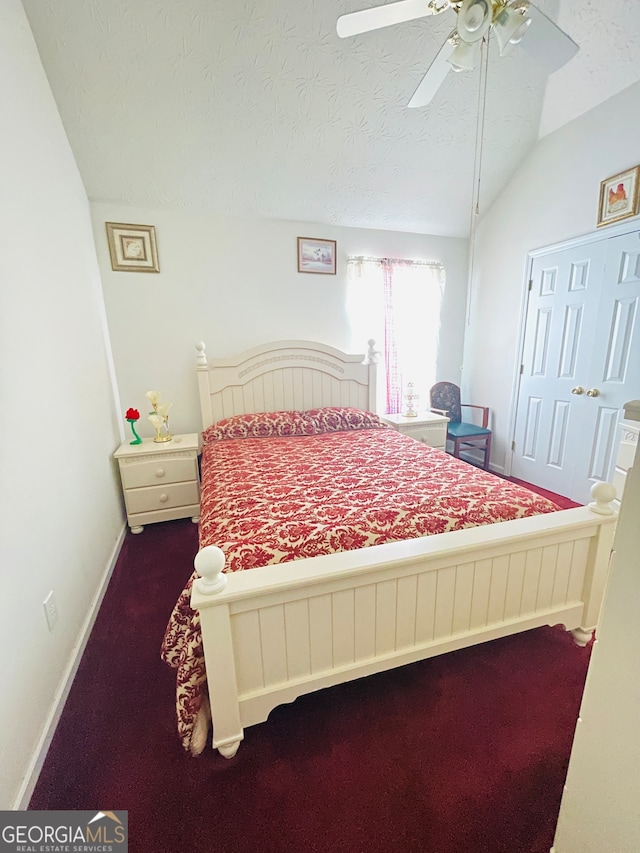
pixel 256 108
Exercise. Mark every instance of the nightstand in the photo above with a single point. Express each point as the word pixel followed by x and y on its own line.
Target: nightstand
pixel 427 427
pixel 160 480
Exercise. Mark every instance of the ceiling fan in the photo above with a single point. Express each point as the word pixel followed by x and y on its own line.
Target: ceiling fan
pixel 512 22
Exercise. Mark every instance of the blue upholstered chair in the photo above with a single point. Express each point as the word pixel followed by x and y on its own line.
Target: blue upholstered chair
pixel 465 435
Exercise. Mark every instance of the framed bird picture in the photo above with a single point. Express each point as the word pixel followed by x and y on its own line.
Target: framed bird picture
pixel 618 197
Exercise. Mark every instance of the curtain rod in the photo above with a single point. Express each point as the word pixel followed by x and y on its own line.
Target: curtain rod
pixel 361 258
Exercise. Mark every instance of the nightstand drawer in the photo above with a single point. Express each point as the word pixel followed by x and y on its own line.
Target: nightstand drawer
pixel 140 519
pixel 433 434
pixel 428 427
pixel 162 497
pixel 137 473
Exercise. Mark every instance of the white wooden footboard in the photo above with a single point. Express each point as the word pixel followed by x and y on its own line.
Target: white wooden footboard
pixel 276 633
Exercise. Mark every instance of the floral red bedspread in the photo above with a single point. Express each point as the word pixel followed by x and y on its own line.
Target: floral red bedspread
pixel 272 499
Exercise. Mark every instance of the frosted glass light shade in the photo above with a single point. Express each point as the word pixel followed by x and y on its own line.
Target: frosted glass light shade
pixel 465 56
pixel 474 19
pixel 509 28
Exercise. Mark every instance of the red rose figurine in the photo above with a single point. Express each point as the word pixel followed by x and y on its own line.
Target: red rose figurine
pixel 132 415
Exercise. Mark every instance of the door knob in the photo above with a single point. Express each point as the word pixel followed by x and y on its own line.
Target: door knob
pixel 593 392
pixel 578 390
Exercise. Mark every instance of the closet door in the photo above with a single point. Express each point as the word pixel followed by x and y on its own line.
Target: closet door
pixel 581 362
pixel 613 374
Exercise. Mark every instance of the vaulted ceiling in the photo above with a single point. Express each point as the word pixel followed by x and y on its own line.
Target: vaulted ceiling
pixel 256 108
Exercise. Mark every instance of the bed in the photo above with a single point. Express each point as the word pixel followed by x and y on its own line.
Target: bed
pixel 367 549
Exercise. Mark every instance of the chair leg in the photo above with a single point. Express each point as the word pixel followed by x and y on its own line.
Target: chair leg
pixel 487 452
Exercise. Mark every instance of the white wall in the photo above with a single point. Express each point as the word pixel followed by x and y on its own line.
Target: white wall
pixel 233 283
pixel 60 512
pixel 600 809
pixel 552 198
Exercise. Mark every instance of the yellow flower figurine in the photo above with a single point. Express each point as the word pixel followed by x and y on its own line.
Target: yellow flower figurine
pixel 159 417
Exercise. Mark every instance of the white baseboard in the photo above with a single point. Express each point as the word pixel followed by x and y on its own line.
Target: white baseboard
pixel 494 469
pixel 478 460
pixel 37 760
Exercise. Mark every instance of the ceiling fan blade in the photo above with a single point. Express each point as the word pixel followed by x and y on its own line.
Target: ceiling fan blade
pixel 546 42
pixel 383 16
pixel 434 77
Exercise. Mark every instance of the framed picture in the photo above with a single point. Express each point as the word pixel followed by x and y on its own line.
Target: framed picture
pixel 132 247
pixel 618 197
pixel 316 255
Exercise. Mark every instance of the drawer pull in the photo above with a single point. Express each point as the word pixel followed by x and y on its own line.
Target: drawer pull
pixel 164 499
pixel 160 472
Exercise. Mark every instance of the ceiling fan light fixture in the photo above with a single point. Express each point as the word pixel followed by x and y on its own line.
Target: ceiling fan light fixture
pixel 510 27
pixel 465 56
pixel 462 50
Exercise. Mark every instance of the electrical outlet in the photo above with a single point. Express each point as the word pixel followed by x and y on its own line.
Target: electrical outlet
pixel 50 610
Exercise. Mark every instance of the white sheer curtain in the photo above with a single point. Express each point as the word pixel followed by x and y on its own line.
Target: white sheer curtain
pixel 397 302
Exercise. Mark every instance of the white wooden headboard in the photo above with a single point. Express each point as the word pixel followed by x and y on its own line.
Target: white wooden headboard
pixel 284 375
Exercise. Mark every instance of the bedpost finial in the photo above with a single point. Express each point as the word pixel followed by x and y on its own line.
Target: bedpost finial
pixel 201 358
pixel 372 352
pixel 602 494
pixel 209 563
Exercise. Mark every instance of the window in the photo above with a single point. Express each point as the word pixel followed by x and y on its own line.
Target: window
pixel 397 302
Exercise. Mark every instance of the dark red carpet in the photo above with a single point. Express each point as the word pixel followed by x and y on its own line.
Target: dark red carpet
pixel 465 753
